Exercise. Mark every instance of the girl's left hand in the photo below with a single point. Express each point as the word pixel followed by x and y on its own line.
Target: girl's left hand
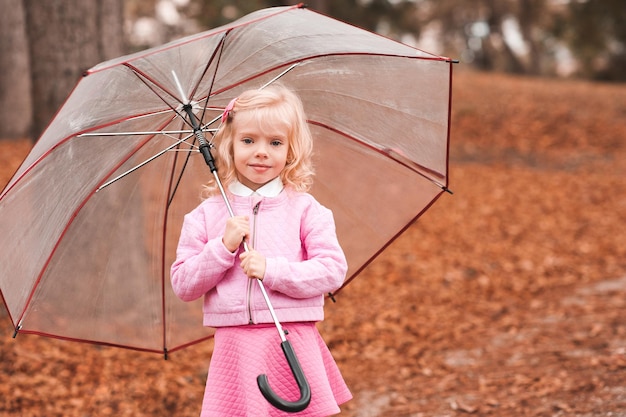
pixel 253 264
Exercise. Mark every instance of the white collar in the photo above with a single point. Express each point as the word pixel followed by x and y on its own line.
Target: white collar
pixel 271 189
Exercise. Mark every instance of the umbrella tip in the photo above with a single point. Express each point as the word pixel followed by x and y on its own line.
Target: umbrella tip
pixel 165 353
pixel 447 190
pixel 332 297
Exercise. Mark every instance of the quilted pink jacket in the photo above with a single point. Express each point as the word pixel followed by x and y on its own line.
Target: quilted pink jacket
pixel 293 231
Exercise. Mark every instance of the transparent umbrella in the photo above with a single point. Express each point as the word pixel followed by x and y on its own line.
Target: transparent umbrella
pixel 91 219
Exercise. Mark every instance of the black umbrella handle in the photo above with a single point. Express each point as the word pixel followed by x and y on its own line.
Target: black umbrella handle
pixel 303 385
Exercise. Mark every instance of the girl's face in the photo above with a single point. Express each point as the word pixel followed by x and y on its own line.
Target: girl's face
pixel 259 152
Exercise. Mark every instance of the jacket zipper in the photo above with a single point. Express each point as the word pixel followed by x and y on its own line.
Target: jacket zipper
pixel 255 212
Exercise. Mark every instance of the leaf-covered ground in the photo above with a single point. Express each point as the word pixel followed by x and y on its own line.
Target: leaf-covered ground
pixel 507 298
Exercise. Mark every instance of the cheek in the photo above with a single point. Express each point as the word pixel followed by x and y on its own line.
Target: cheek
pixel 239 158
pixel 239 153
pixel 282 155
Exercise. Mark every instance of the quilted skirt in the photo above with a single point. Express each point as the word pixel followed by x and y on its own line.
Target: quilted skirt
pixel 242 353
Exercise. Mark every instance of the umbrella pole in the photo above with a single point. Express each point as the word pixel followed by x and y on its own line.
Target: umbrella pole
pixel 290 355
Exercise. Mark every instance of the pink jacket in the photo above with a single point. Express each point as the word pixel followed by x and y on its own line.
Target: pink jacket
pixel 303 260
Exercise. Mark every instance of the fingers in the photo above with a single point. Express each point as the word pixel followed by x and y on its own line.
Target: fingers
pixel 253 264
pixel 237 229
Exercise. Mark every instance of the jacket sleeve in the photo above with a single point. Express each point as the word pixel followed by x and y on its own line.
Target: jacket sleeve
pixel 201 262
pixel 324 268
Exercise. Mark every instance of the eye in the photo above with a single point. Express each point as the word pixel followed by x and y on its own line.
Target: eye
pixel 276 142
pixel 247 141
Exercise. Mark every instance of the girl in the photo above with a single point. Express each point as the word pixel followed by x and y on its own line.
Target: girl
pixel 264 159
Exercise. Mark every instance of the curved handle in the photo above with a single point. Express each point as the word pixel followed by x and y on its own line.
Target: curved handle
pixel 303 385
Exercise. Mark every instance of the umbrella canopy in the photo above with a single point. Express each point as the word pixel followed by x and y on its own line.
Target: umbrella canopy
pixel 91 219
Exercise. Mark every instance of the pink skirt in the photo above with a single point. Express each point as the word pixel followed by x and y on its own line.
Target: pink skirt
pixel 242 353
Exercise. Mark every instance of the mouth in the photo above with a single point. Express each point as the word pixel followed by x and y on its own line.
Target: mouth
pixel 259 167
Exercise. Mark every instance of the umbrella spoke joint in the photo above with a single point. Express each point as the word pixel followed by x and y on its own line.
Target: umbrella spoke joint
pixel 203 146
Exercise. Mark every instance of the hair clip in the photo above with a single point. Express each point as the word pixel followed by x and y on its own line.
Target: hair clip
pixel 228 109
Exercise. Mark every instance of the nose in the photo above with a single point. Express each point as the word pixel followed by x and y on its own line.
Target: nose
pixel 261 150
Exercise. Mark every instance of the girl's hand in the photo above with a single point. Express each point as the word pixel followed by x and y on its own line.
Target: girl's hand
pixel 237 229
pixel 253 264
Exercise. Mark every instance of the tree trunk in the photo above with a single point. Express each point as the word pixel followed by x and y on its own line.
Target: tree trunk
pixel 15 100
pixel 67 37
pixel 111 39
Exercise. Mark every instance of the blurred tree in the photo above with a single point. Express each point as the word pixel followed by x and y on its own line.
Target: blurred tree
pixel 595 31
pixel 67 37
pixel 390 18
pixel 481 31
pixel 212 14
pixel 393 18
pixel 533 36
pixel 15 100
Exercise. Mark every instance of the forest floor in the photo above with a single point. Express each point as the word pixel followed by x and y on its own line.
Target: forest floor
pixel 507 298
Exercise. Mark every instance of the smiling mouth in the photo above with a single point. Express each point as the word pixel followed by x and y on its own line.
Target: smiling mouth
pixel 259 166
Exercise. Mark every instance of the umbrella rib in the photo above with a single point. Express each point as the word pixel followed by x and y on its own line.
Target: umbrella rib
pixel 220 48
pixel 383 247
pixel 276 78
pixel 300 60
pixel 147 161
pixel 180 176
pixel 414 166
pixel 91 131
pixel 145 78
pixel 143 133
pixel 151 84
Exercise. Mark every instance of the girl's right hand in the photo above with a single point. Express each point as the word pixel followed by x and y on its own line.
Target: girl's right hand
pixel 237 229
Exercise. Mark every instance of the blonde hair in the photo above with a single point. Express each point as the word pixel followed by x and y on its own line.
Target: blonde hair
pixel 271 105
